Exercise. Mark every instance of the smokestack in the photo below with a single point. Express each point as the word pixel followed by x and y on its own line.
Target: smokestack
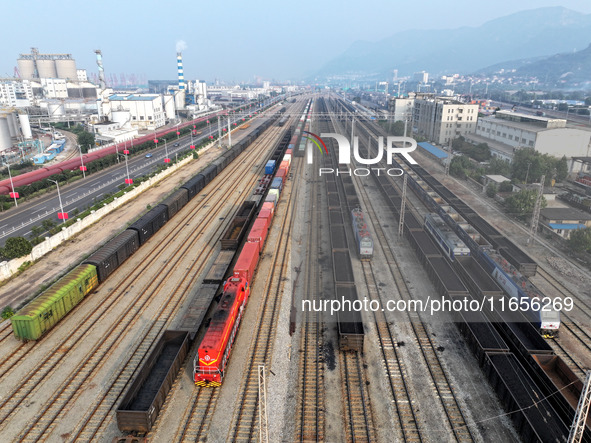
pixel 179 63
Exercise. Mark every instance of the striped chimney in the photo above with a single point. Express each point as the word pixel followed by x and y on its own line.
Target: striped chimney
pixel 179 63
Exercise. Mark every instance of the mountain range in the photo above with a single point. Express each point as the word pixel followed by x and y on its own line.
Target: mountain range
pixel 523 35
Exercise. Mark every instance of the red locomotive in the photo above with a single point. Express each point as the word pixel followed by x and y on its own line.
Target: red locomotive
pixel 211 360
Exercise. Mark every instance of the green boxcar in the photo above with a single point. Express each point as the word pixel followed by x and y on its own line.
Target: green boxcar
pixel 39 316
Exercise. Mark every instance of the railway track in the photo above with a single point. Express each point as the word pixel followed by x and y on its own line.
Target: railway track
pixel 44 421
pixel 245 426
pixel 97 422
pixel 310 416
pixel 194 426
pixel 359 425
pixel 566 356
pixel 441 382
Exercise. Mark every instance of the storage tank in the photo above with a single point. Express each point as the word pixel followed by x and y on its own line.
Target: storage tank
pixel 26 68
pixel 5 141
pixel 46 68
pixel 123 117
pixel 66 69
pixel 13 125
pixel 25 125
pixel 169 106
pixel 56 109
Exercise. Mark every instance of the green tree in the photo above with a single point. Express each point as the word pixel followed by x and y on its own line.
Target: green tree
pixel 522 203
pixel 491 190
pixel 561 169
pixel 580 240
pixel 7 312
pixel 459 166
pixel 85 139
pixel 562 107
pixel 17 247
pixel 506 186
pixel 499 166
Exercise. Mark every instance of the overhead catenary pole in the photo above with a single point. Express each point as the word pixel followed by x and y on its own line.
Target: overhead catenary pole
pixel 402 207
pixel 536 214
pixel 578 427
pixel 263 427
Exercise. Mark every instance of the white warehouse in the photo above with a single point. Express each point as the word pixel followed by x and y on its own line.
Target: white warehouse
pixel 146 111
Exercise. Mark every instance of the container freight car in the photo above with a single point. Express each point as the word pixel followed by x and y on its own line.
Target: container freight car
pixel 176 201
pixel 112 255
pixel 531 413
pixel 258 232
pixel 143 400
pixel 270 167
pixel 43 313
pixel 247 261
pixel 150 223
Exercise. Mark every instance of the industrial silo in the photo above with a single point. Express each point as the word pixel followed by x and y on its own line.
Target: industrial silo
pixel 55 109
pixel 12 124
pixel 122 117
pixel 5 141
pixel 66 68
pixel 26 68
pixel 46 68
pixel 25 126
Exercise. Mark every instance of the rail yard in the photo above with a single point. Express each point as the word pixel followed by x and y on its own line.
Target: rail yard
pixel 201 322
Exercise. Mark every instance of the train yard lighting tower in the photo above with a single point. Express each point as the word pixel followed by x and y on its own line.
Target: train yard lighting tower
pixel 578 427
pixel 536 214
pixel 402 207
pixel 13 194
pixel 60 215
pixel 263 428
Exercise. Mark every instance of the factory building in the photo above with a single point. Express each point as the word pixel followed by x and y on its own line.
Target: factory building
pixel 508 131
pixel 15 93
pixel 142 111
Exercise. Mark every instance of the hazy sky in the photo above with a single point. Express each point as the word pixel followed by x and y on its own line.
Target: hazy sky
pixel 228 40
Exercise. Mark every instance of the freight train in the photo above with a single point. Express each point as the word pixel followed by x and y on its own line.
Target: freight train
pixel 46 310
pixel 444 236
pixel 209 364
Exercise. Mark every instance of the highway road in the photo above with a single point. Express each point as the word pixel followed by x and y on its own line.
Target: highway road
pixel 82 193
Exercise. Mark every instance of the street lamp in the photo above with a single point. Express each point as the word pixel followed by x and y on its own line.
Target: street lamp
pixel 166 159
pixel 13 194
pixel 60 215
pixel 82 167
pixel 527 173
pixel 128 180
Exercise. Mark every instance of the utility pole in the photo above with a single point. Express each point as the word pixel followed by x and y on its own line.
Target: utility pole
pixel 448 162
pixel 536 215
pixel 578 427
pixel 229 131
pixel 402 207
pixel 219 133
pixel 263 428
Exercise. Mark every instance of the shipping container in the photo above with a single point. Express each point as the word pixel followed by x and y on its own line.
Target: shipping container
pixel 258 232
pixel 285 165
pixel 271 198
pixel 267 215
pixel 110 256
pixel 277 183
pixel 269 206
pixel 289 151
pixel 45 311
pixel 247 261
pixel 275 192
pixel 282 174
pixel 270 167
pixel 145 397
